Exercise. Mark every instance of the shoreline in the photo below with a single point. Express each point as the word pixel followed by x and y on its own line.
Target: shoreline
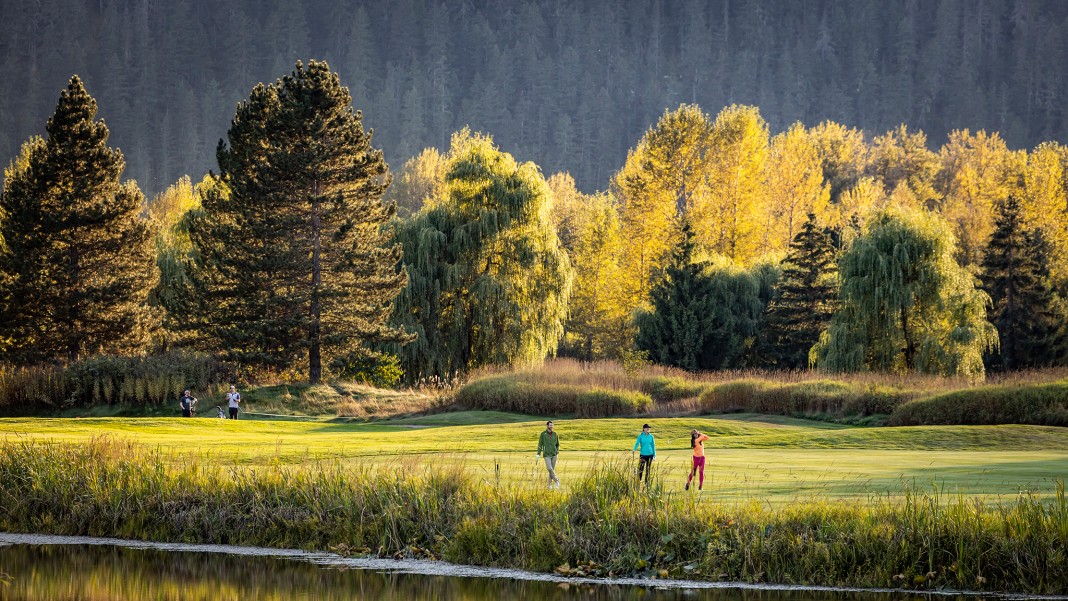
pixel 604 525
pixel 427 567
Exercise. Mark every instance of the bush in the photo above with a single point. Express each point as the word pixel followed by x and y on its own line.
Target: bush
pixel 510 393
pixel 817 397
pixel 382 371
pixel 107 380
pixel 1040 405
pixel 665 389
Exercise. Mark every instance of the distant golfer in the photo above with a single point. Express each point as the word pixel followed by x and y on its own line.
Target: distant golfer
pixel 233 398
pixel 188 402
pixel 549 448
pixel 647 445
pixel 697 441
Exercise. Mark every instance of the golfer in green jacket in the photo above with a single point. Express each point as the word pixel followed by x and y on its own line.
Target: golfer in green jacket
pixel 549 448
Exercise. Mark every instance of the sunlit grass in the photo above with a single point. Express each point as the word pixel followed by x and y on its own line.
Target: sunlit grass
pixel 770 458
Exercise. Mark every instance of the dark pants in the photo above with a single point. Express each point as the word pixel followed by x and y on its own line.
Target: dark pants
pixel 645 463
pixel 233 412
pixel 187 413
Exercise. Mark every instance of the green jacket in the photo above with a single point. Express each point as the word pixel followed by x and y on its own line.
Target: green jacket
pixel 549 444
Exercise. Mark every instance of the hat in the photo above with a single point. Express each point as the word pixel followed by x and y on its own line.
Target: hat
pixel 644 426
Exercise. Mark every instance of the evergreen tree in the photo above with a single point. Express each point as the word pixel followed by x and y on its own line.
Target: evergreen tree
pixel 77 259
pixel 705 317
pixel 906 305
pixel 1015 273
pixel 677 330
pixel 294 263
pixel 490 283
pixel 805 301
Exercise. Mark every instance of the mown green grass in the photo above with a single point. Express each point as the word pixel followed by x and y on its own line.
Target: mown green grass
pixel 769 458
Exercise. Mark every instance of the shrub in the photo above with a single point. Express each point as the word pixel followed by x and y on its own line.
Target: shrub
pixel 1041 404
pixel 382 371
pixel 816 397
pixel 510 393
pixel 606 403
pixel 665 389
pixel 107 380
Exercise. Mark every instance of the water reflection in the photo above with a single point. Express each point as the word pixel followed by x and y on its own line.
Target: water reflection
pixel 108 573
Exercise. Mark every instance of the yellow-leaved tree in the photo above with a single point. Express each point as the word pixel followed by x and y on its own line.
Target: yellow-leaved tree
pixel 664 176
pixel 977 171
pixel 1045 201
pixel 901 160
pixel 727 221
pixel 795 188
pixel 588 226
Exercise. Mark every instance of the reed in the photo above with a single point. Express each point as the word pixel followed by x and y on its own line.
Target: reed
pixel 140 381
pixel 552 388
pixel 605 523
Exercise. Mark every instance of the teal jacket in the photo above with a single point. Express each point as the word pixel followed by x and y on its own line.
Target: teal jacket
pixel 647 444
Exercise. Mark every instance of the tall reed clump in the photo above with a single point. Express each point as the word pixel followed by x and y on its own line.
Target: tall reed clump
pixel 605 523
pixel 513 393
pixel 1035 404
pixel 809 398
pixel 106 380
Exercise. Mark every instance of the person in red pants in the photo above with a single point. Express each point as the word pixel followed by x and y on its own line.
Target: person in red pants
pixel 697 441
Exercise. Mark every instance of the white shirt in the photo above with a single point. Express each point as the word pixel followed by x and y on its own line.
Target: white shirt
pixel 234 398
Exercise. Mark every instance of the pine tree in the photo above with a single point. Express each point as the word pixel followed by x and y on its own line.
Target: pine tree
pixel 78 258
pixel 294 262
pixel 676 331
pixel 1015 273
pixel 806 298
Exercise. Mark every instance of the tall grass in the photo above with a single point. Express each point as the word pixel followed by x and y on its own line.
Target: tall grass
pixel 603 524
pixel 1037 404
pixel 512 393
pixel 107 380
pixel 1027 397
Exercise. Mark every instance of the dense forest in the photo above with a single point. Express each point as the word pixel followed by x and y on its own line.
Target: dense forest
pixel 569 85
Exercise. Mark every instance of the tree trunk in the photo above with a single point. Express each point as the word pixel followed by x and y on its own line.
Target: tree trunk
pixel 910 346
pixel 73 335
pixel 315 360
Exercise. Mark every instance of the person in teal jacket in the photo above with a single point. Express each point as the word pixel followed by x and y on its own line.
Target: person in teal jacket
pixel 647 445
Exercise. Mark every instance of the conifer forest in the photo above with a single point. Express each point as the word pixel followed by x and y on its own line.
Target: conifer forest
pixel 408 191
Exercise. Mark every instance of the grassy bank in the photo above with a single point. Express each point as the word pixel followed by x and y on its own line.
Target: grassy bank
pixel 601 525
pixel 606 389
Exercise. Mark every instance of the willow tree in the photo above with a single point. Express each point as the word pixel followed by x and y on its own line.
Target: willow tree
pixel 294 265
pixel 905 303
pixel 174 294
pixel 488 280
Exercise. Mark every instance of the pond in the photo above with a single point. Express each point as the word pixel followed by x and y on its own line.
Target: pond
pixel 52 568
